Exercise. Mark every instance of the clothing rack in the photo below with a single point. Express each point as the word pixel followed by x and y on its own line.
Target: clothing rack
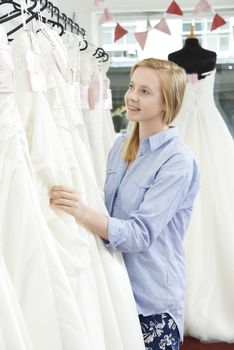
pixel 67 21
pixel 34 11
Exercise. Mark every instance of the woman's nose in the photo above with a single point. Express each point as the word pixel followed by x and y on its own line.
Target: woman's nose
pixel 133 96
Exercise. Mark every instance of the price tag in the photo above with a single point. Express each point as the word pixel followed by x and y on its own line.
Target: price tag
pixel 35 71
pixel 6 71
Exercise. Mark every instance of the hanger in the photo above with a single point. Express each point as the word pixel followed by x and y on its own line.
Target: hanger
pixel 29 11
pixel 70 21
pixel 82 32
pixel 76 25
pixel 8 16
pixel 82 48
pixel 105 57
pixel 17 10
pixel 45 4
pixel 64 18
pixel 101 53
pixel 34 15
pixel 57 23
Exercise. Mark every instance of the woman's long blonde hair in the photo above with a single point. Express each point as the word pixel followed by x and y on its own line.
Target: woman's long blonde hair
pixel 172 80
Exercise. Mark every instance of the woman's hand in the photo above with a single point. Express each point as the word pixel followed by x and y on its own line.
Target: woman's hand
pixel 67 199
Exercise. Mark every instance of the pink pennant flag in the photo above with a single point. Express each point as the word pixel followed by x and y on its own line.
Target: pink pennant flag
pixel 202 6
pixel 175 9
pixel 163 26
pixel 106 16
pixel 141 38
pixel 96 2
pixel 218 21
pixel 119 32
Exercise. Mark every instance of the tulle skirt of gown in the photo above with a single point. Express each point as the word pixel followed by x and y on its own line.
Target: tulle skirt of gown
pixel 209 244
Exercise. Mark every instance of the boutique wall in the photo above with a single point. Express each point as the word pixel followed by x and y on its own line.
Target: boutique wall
pixel 86 12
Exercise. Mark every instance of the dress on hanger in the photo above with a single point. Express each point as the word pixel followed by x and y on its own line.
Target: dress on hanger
pixel 48 155
pixel 209 244
pixel 22 241
pixel 13 330
pixel 76 120
pixel 92 111
pixel 107 271
pixel 109 134
pixel 84 285
pixel 50 167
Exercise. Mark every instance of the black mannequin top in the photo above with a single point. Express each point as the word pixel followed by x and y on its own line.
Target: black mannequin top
pixel 193 58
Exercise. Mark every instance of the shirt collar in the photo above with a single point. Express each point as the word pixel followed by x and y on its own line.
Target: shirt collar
pixel 157 140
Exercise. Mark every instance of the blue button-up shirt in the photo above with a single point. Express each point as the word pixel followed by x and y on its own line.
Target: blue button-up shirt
pixel 150 205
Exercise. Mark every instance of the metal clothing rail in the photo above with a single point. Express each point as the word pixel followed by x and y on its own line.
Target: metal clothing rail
pixel 35 11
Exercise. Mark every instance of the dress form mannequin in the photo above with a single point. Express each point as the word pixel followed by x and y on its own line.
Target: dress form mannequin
pixel 192 57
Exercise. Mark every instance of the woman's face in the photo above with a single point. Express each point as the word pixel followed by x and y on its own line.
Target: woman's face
pixel 143 99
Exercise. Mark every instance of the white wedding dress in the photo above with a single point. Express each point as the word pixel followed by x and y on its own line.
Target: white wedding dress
pixel 111 279
pixel 49 164
pixel 13 330
pixel 93 117
pixel 93 271
pixel 109 269
pixel 209 244
pixel 109 134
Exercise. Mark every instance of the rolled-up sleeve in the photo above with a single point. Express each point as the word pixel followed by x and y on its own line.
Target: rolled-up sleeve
pixel 161 202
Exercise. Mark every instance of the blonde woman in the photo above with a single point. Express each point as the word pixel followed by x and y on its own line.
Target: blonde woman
pixel 151 183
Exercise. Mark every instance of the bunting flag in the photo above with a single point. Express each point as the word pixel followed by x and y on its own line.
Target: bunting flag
pixel 218 21
pixel 96 2
pixel 202 6
pixel 119 32
pixel 106 16
pixel 175 9
pixel 141 38
pixel 163 26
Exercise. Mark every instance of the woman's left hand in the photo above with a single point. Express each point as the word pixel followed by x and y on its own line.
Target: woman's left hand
pixel 67 199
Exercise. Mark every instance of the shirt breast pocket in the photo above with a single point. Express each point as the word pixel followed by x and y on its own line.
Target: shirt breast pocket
pixel 136 193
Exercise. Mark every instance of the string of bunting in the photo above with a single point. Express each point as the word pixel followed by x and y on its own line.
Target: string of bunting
pixel 141 37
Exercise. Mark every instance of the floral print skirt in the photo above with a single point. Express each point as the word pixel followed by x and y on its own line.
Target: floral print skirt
pixel 160 332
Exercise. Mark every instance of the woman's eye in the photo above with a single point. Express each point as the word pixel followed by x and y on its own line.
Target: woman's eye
pixel 130 86
pixel 145 92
